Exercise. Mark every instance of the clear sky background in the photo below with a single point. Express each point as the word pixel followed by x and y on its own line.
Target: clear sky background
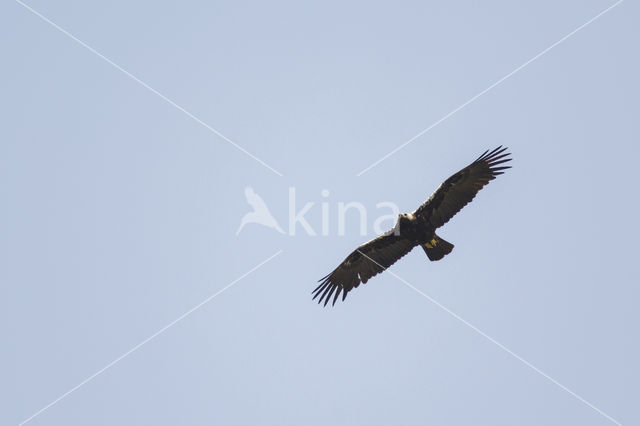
pixel 119 212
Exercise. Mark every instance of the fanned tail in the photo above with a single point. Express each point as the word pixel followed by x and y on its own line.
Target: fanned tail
pixel 437 248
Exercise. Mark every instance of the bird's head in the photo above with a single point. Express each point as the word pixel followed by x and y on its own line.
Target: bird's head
pixel 405 217
pixel 404 223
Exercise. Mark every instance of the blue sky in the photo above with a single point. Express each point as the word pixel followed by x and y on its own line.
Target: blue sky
pixel 121 206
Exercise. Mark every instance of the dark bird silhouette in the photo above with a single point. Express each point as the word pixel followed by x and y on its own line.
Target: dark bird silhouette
pixel 414 229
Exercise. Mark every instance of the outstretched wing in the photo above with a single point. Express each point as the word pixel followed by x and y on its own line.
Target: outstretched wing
pixel 363 263
pixel 457 191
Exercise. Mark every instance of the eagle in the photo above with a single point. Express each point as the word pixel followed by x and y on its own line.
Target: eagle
pixel 414 229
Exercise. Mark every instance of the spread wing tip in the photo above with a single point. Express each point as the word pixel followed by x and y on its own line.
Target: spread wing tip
pixel 326 289
pixel 493 154
pixel 496 160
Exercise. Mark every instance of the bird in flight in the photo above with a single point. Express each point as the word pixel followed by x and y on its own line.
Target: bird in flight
pixel 414 229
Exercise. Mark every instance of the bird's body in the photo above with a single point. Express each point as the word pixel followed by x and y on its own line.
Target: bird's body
pixel 414 229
